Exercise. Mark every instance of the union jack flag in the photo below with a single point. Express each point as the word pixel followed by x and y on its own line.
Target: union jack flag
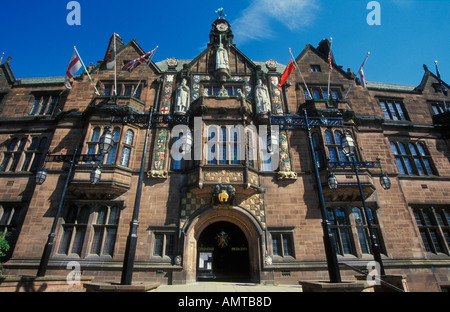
pixel 130 66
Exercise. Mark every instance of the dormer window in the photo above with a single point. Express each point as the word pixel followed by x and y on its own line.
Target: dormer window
pixel 43 104
pixel 123 89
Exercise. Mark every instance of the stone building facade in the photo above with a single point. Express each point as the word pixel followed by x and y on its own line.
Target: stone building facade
pixel 244 205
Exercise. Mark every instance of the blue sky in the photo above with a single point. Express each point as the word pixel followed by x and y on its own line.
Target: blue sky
pixel 412 32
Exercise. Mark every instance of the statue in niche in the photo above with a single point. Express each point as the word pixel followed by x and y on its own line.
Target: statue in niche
pixel 182 98
pixel 221 56
pixel 240 94
pixel 262 98
pixel 223 92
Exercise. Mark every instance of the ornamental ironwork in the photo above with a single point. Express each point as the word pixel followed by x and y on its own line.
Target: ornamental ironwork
pixel 292 121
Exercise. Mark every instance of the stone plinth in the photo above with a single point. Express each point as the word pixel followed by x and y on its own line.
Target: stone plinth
pixel 312 286
pixel 41 284
pixel 115 287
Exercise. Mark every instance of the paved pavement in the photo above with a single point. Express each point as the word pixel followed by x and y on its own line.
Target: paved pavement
pixel 228 287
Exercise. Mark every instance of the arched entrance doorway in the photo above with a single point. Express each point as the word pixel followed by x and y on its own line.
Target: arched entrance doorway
pixel 222 253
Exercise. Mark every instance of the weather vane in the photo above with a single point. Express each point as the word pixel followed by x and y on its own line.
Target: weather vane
pixel 221 13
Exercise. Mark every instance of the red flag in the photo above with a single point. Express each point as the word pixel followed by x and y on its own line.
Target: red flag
pixel 287 72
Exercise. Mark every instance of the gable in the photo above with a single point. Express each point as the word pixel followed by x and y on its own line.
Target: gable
pixel 7 77
pixel 238 63
pixel 430 83
pixel 124 54
pixel 312 56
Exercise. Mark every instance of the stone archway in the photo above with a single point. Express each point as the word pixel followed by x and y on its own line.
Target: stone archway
pixel 247 233
pixel 222 253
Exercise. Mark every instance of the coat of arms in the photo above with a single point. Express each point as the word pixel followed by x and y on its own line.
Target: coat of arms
pixel 222 239
pixel 224 194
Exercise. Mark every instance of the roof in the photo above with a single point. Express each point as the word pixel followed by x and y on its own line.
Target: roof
pixel 42 80
pixel 390 87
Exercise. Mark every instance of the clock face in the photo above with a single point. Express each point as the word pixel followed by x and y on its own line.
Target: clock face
pixel 222 27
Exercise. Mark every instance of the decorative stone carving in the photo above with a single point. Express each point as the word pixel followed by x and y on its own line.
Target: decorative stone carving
pixel 262 98
pixel 159 174
pixel 222 27
pixel 182 98
pixel 223 92
pixel 287 175
pixel 221 57
pixel 271 64
pixel 172 62
pixel 224 194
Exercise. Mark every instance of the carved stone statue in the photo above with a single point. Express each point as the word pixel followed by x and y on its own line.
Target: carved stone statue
pixel 223 92
pixel 262 98
pixel 182 98
pixel 221 57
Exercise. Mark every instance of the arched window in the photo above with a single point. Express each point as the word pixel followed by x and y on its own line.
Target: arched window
pixel 126 151
pixel 17 155
pixel 110 158
pixel 38 154
pixel 338 139
pixel 92 145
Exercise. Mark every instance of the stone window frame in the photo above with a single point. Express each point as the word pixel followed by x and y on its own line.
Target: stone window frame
pixel 91 144
pixel 23 155
pixel 355 229
pixel 122 87
pixel 437 107
pixel 413 157
pixel 315 68
pixel 322 93
pixel 84 230
pixel 213 89
pixel 433 223
pixel 9 216
pixel 393 109
pixel 43 104
pixel 224 144
pixel 168 244
pixel 10 221
pixel 279 234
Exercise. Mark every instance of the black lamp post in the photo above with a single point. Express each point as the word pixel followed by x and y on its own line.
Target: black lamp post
pixel 349 149
pixel 149 120
pixel 305 122
pixel 41 175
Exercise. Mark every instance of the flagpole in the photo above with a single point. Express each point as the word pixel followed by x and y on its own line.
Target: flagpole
pixel 96 91
pixel 365 60
pixel 440 81
pixel 115 66
pixel 298 68
pixel 330 60
pixel 142 75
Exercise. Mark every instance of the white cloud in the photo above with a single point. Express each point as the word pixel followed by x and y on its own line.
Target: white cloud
pixel 256 22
